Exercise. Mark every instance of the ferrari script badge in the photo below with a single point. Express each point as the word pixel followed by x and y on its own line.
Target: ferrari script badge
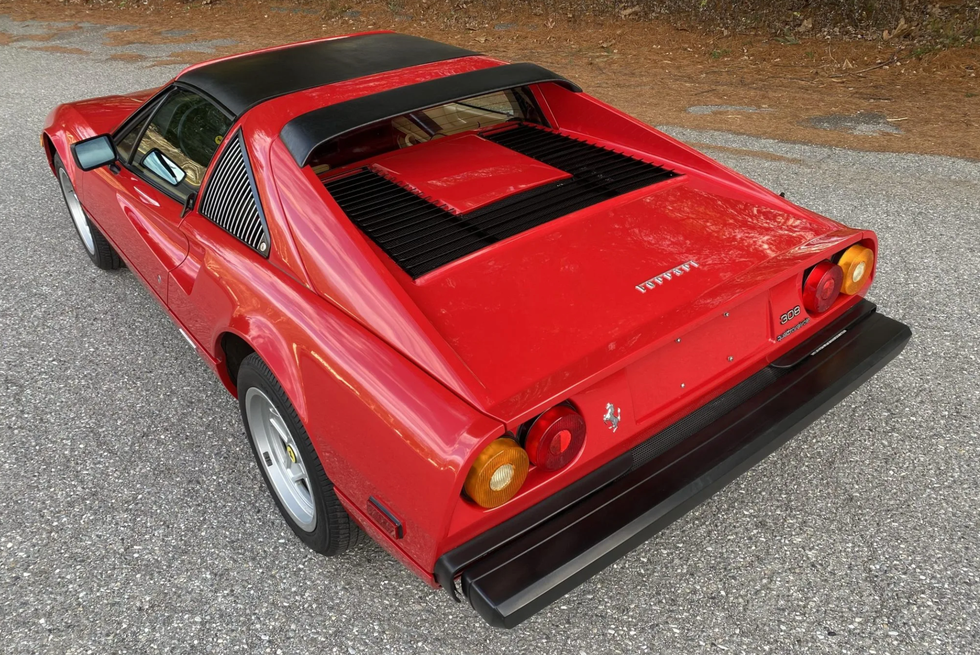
pixel 666 276
pixel 612 417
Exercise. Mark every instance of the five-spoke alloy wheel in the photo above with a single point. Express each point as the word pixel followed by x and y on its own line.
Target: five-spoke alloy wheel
pixel 281 456
pixel 289 463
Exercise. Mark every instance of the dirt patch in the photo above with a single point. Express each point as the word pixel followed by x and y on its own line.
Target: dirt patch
pixel 51 32
pixel 62 49
pixel 127 56
pixel 156 36
pixel 928 22
pixel 187 57
pixel 863 123
pixel 651 69
pixel 36 37
pixel 711 109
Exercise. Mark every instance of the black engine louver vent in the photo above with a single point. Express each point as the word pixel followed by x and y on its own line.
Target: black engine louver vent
pixel 613 172
pixel 421 236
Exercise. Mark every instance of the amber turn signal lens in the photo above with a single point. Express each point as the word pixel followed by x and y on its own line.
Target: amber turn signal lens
pixel 857 263
pixel 497 474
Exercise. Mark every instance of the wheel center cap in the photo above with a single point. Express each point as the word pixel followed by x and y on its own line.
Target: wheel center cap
pixel 292 455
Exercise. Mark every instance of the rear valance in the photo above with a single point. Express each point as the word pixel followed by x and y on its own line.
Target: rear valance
pixel 305 133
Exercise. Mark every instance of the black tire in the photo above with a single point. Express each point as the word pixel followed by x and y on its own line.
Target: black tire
pixel 102 253
pixel 334 531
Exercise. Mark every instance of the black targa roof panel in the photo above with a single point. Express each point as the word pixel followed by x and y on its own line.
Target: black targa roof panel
pixel 304 133
pixel 241 83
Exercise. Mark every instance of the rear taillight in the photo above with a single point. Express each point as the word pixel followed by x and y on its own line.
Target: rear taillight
pixel 822 286
pixel 555 438
pixel 551 441
pixel 856 262
pixel 497 474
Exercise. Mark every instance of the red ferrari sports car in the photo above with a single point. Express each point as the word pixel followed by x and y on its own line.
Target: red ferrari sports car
pixel 504 329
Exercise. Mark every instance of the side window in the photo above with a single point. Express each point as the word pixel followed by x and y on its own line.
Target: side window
pixel 126 144
pixel 179 141
pixel 126 139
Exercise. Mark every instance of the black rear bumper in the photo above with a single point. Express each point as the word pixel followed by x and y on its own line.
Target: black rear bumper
pixel 517 568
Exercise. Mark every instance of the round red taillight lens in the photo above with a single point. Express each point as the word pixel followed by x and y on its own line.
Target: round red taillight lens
pixel 822 286
pixel 555 438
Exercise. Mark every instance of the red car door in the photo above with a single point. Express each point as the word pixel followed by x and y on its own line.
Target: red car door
pixel 150 238
pixel 163 157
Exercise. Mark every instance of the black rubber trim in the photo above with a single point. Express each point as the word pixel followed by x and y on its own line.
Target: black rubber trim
pixel 306 132
pixel 240 83
pixel 536 566
pixel 232 116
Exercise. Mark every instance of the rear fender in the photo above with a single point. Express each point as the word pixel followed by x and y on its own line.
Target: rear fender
pixel 382 427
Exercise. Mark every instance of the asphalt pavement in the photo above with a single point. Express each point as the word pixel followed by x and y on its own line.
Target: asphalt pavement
pixel 133 519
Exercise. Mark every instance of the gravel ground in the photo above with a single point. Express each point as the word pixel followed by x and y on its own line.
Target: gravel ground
pixel 132 518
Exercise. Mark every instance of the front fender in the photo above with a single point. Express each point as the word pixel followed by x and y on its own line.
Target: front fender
pixel 63 127
pixel 72 122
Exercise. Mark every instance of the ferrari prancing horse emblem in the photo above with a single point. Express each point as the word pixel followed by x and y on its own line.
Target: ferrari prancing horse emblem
pixel 612 417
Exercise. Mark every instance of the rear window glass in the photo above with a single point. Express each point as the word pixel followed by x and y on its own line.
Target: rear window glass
pixel 424 125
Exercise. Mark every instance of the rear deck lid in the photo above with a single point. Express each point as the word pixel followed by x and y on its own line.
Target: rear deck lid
pixel 543 260
pixel 549 308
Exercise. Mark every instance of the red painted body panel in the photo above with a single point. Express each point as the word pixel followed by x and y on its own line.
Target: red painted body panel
pixel 531 333
pixel 142 221
pixel 402 382
pixel 465 172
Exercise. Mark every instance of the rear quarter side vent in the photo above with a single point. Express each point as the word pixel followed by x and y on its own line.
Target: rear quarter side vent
pixel 231 200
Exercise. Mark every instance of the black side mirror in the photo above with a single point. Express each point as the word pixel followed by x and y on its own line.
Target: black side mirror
pixel 94 152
